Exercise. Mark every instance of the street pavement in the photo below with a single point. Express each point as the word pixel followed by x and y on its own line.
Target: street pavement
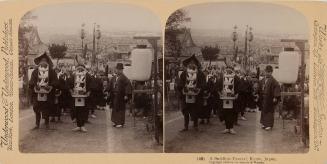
pixel 250 138
pixel 100 138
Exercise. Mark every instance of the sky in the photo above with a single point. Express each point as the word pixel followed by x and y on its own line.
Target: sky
pixel 68 18
pixel 263 18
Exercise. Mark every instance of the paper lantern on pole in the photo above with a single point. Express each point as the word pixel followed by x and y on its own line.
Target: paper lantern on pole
pixel 288 67
pixel 141 59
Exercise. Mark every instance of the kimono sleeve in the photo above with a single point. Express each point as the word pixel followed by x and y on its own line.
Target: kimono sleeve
pixel 128 87
pixel 237 84
pixel 61 82
pixel 277 89
pixel 70 82
pixel 33 80
pixel 53 79
pixel 202 80
pixel 111 84
pixel 89 81
pixel 182 81
pixel 219 83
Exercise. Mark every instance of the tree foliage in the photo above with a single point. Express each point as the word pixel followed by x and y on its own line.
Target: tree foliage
pixel 174 26
pixel 57 51
pixel 176 19
pixel 210 53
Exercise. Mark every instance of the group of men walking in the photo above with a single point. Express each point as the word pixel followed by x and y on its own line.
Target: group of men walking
pixel 79 92
pixel 204 92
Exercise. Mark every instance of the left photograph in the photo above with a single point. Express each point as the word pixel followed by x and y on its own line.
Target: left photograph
pixel 90 78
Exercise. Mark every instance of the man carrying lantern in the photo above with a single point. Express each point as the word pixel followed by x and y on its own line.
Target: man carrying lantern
pixel 269 96
pixel 121 91
pixel 192 81
pixel 42 84
pixel 80 90
pixel 228 87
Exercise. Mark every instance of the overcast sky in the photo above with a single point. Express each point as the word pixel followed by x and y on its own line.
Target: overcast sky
pixel 264 18
pixel 68 18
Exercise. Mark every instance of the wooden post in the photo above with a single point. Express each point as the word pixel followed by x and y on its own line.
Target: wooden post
pixel 301 45
pixel 153 41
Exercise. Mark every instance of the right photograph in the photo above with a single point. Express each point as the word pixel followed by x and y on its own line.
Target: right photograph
pixel 236 79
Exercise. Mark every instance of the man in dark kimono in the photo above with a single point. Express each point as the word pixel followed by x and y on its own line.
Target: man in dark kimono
pixel 65 98
pixel 269 97
pixel 215 101
pixel 93 98
pixel 243 97
pixel 43 78
pixel 121 91
pixel 190 86
pixel 206 106
pixel 80 84
pixel 228 114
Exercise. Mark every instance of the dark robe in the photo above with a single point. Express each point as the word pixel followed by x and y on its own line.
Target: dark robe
pixel 269 89
pixel 228 115
pixel 191 109
pixel 53 81
pixel 244 88
pixel 80 111
pixel 92 99
pixel 215 85
pixel 99 91
pixel 205 110
pixel 65 98
pixel 120 86
pixel 43 107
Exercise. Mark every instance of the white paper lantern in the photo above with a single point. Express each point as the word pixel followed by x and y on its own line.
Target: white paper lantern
pixel 288 66
pixel 141 60
pixel 128 72
pixel 275 74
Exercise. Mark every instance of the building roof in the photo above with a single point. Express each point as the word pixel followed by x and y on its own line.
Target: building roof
pixel 185 38
pixel 35 45
pixel 188 46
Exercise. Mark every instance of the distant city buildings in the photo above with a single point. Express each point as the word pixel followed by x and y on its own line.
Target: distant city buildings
pixel 110 50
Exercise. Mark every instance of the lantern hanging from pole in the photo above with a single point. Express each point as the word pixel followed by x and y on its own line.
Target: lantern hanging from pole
pixel 289 62
pixel 141 64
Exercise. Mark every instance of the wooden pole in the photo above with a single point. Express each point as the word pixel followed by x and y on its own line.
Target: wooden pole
pixel 153 41
pixel 301 45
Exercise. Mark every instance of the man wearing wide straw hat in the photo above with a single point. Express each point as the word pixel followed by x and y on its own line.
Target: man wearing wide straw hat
pixel 42 85
pixel 121 90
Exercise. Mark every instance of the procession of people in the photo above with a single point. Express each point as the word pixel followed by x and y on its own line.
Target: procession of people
pixel 227 93
pixel 58 91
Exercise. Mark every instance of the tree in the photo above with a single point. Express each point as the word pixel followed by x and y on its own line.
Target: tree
pixel 177 19
pixel 57 51
pixel 210 53
pixel 173 28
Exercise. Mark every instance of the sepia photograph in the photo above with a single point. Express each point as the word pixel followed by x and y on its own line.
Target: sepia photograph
pixel 236 79
pixel 164 81
pixel 90 79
